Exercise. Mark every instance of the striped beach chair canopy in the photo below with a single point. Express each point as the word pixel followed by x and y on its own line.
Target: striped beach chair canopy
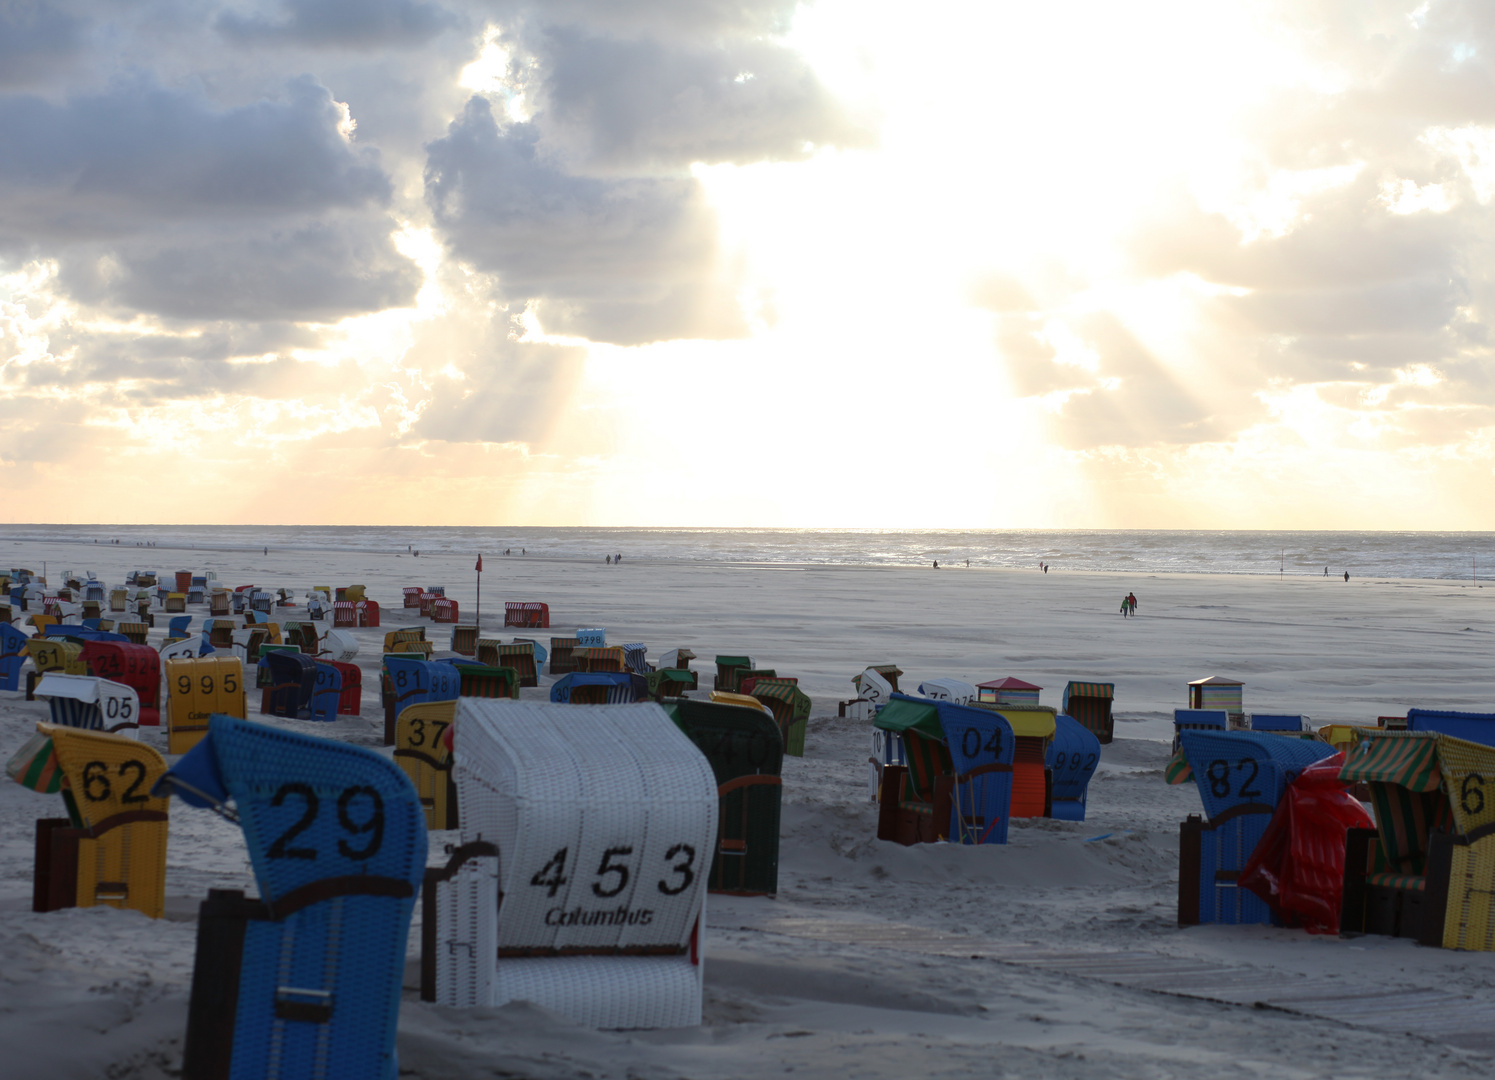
pixel 635 657
pixel 94 704
pixel 1238 768
pixel 1405 775
pixel 1103 690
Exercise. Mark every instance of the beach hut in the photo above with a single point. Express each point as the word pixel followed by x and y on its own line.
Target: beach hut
pixel 599 688
pixel 304 980
pixel 1033 728
pixel 598 822
pixel 1090 704
pixel 728 670
pixel 562 649
pixel 957 783
pixel 790 707
pixel 1221 694
pixel 527 615
pixel 423 750
pixel 90 703
pixel 1009 691
pixel 1241 776
pixel 110 851
pixel 1072 757
pixel 951 690
pixel 746 754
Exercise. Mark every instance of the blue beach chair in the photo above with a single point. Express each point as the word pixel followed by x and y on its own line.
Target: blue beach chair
pixel 306 980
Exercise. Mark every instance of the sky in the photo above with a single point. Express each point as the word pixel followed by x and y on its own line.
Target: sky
pixel 852 263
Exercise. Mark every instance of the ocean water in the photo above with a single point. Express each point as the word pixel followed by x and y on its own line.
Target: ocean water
pixel 1445 555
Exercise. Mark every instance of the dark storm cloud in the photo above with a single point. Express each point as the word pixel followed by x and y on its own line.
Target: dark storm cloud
pixel 626 254
pixel 36 37
pixel 354 24
pixel 143 154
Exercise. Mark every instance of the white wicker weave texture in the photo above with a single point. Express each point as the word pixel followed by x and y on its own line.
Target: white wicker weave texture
pixel 605 817
pixel 467 934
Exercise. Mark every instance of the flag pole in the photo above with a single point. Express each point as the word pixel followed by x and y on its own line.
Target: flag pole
pixel 479 620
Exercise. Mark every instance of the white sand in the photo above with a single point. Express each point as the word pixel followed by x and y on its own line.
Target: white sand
pixel 89 993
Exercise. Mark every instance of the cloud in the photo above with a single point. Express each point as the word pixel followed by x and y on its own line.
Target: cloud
pixel 353 24
pixel 632 103
pixel 36 37
pixel 143 154
pixel 626 260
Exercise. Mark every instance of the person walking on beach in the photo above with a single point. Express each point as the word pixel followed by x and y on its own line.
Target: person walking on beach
pixel 1347 575
pixel 1131 599
pixel 1125 607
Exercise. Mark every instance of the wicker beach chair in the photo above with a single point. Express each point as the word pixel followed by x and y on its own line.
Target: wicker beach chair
pixel 287 679
pixel 111 848
pixel 306 980
pixel 745 750
pixel 596 823
pixel 195 690
pixel 562 661
pixel 916 799
pixel 1090 704
pixel 137 666
pixel 479 680
pixel 790 707
pixel 1072 757
pixel 599 688
pixel 598 658
pixel 1241 777
pixel 424 752
pixel 91 703
pixel 728 670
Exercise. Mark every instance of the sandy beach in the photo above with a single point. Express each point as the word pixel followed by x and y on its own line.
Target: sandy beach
pixel 874 960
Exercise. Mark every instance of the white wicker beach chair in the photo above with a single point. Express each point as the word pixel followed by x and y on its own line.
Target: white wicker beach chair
pixel 604 817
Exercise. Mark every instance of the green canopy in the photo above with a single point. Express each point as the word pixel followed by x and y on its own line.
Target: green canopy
pixel 899 715
pixel 734 661
pixel 1407 759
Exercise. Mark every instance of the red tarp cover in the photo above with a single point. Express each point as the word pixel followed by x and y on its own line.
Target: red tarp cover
pixel 1298 867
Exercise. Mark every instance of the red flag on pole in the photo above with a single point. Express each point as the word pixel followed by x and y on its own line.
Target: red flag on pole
pixel 480 564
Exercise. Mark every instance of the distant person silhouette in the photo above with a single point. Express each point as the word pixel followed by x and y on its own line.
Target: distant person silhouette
pixel 1347 575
